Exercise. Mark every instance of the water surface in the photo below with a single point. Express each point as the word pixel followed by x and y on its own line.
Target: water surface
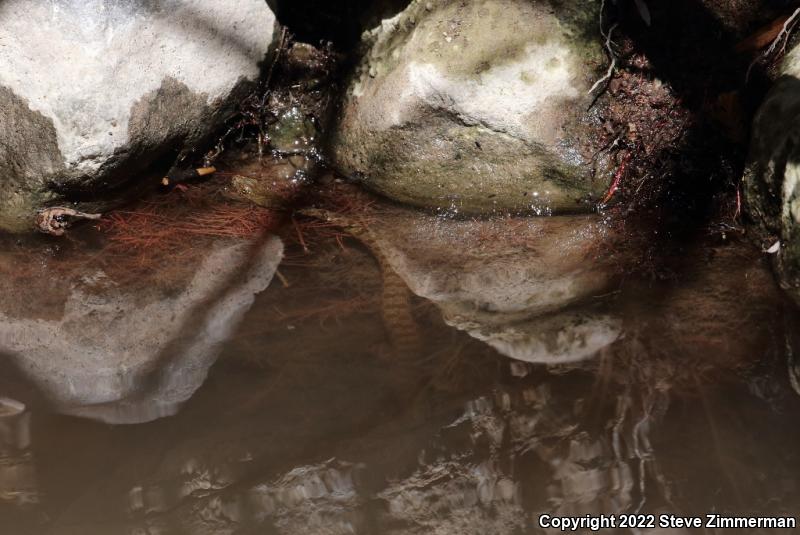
pixel 556 366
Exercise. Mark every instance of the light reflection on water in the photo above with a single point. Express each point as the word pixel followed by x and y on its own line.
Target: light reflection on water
pixel 310 422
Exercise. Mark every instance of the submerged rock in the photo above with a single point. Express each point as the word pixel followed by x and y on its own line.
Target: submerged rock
pixel 772 178
pixel 92 94
pixel 126 355
pixel 476 106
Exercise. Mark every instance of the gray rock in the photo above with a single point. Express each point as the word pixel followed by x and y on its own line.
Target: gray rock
pixel 123 356
pixel 93 93
pixel 772 177
pixel 476 106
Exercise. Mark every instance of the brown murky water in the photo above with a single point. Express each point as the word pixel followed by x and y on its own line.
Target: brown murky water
pixel 531 370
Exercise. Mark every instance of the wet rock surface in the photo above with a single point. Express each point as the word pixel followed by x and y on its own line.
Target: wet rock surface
pixel 476 107
pixel 772 178
pixel 93 94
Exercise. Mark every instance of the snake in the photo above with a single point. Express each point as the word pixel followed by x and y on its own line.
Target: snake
pixel 396 310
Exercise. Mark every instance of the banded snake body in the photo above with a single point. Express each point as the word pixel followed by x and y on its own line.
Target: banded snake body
pixel 398 318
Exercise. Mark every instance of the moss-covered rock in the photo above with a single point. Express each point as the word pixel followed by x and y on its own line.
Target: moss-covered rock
pixel 772 178
pixel 476 106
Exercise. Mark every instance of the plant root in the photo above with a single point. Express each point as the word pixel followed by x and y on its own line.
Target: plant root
pixel 611 55
pixel 781 39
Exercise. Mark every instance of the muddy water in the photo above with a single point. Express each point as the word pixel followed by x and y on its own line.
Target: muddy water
pixel 552 366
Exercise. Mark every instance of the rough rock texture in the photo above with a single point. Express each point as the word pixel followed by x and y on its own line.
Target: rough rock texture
pixel 92 93
pixel 476 106
pixel 772 178
pixel 123 356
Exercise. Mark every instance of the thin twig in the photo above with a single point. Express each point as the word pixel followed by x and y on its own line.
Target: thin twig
pixel 783 36
pixel 282 278
pixel 278 52
pixel 617 180
pixel 611 55
pixel 262 135
pixel 300 236
pixel 784 33
pixel 602 10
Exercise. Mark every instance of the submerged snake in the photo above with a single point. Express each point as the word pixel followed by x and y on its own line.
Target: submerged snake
pixel 398 318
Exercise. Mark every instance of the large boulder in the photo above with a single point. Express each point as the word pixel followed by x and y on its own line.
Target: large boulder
pixel 772 177
pixel 94 93
pixel 477 106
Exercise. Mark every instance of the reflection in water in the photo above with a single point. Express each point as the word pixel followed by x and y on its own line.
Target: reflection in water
pixel 623 393
pixel 126 354
pixel 510 283
pixel 17 469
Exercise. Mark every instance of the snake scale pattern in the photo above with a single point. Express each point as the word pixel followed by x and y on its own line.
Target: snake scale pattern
pixel 398 318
